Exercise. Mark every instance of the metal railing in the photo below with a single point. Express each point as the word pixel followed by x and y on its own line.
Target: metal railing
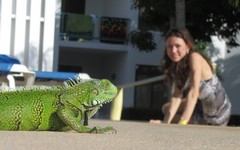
pixel 117 104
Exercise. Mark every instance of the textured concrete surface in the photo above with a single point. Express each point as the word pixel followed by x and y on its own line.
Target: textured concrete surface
pixel 130 135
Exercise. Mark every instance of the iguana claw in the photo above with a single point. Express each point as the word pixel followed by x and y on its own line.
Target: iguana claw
pixel 100 130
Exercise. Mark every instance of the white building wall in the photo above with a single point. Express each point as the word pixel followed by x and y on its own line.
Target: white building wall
pixel 116 8
pixel 27 31
pixel 231 76
pixel 229 64
pixel 94 7
pixel 135 58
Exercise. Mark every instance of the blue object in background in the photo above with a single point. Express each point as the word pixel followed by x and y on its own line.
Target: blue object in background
pixel 8 59
pixel 6 63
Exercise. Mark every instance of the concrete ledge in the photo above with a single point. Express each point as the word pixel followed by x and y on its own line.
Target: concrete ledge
pixel 130 135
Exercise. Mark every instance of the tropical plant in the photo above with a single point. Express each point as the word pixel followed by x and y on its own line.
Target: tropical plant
pixel 203 18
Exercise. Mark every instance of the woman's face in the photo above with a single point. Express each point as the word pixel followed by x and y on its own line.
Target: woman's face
pixel 176 48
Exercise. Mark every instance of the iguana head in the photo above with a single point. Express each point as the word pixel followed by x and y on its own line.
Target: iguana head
pixel 89 95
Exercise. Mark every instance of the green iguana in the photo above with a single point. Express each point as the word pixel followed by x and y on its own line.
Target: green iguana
pixel 56 108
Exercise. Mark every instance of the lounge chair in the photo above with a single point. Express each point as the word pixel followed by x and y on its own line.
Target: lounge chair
pixel 10 68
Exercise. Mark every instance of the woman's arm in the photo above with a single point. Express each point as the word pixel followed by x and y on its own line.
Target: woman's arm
pixel 192 97
pixel 173 107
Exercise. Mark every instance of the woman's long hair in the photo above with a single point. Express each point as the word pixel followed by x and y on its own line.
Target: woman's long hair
pixel 178 72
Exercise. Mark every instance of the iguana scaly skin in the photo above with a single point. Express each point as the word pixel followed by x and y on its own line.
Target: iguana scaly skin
pixel 56 108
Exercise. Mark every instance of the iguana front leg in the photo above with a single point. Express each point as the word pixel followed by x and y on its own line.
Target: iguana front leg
pixel 67 115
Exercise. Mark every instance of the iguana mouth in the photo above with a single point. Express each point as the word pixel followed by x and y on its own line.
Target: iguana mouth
pixel 96 104
pixel 100 102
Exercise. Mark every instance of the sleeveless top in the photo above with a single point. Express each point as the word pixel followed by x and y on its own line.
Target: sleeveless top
pixel 216 107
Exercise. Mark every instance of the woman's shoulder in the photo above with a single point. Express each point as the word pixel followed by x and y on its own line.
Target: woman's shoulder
pixel 199 62
pixel 195 56
pixel 196 60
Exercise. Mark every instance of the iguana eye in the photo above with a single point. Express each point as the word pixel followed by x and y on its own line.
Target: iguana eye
pixel 94 102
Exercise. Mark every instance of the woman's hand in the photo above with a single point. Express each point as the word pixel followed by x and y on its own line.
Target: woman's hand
pixel 155 121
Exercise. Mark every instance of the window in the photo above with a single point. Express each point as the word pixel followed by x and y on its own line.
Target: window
pixel 152 95
pixel 73 6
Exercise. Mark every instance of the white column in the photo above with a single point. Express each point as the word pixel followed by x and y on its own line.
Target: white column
pixel 34 35
pixel 5 26
pixel 48 35
pixel 20 30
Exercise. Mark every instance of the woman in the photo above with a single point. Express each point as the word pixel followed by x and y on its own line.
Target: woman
pixel 205 101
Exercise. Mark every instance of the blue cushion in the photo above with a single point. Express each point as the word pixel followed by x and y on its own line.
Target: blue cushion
pixel 5 67
pixel 6 63
pixel 55 75
pixel 8 59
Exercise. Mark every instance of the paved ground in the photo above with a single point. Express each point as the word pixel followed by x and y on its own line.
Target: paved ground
pixel 130 135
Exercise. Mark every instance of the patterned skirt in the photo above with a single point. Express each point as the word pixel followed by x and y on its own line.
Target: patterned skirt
pixel 213 107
